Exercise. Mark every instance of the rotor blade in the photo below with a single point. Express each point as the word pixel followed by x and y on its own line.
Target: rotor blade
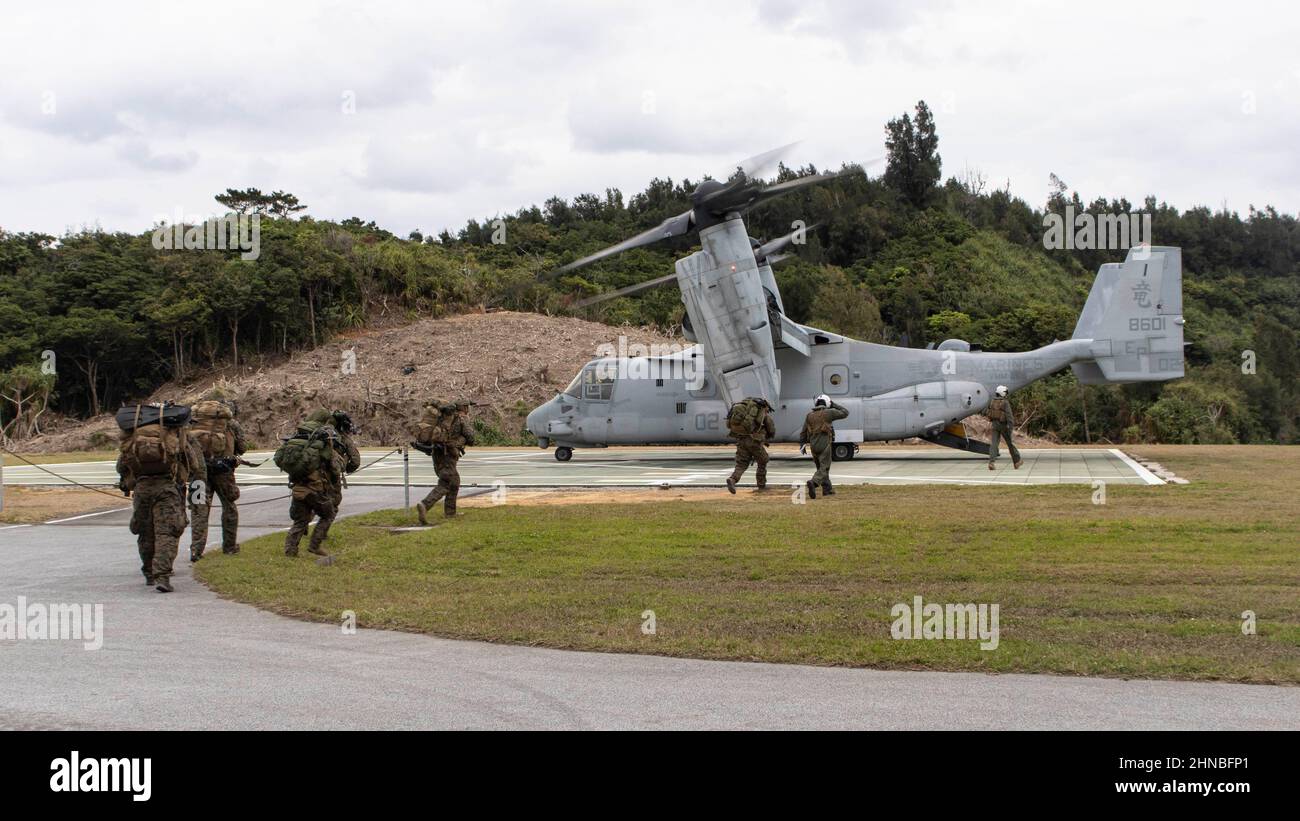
pixel 631 289
pixel 769 248
pixel 671 227
pixel 757 166
pixel 798 182
pixel 744 197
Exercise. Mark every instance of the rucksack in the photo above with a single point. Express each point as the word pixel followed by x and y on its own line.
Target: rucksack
pixel 303 456
pixel 746 417
pixel 212 429
pixel 153 450
pixel 435 425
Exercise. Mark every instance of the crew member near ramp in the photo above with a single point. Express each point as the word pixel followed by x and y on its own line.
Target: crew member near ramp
pixel 750 422
pixel 819 434
pixel 317 458
pixel 999 412
pixel 157 462
pixel 446 434
pixel 221 440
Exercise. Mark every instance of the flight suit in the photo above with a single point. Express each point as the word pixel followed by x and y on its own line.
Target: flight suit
pixel 445 458
pixel 752 449
pixel 818 433
pixel 320 495
pixel 158 512
pixel 999 412
pixel 221 483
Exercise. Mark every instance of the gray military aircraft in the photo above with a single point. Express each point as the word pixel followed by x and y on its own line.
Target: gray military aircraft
pixel 1131 330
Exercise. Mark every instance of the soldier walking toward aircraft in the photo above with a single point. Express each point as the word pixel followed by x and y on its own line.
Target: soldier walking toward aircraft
pixel 157 460
pixel 819 433
pixel 222 442
pixel 317 458
pixel 750 423
pixel 1004 421
pixel 447 437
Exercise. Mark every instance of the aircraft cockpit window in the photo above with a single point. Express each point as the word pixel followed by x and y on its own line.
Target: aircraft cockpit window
pixel 575 387
pixel 597 385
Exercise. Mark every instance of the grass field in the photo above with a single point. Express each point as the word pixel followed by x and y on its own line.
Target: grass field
pixel 1151 584
pixel 62 457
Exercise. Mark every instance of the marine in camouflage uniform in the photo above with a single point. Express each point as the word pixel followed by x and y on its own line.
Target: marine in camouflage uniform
pixel 818 433
pixel 158 511
pixel 221 482
pixel 445 457
pixel 752 449
pixel 321 493
pixel 1003 419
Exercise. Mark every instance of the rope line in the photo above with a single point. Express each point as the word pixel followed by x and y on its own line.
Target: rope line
pixel 71 481
pixel 60 476
pixel 288 495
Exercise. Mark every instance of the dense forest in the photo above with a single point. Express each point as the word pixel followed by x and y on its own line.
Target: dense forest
pixel 91 319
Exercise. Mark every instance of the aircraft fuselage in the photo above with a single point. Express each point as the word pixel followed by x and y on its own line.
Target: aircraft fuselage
pixel 890 393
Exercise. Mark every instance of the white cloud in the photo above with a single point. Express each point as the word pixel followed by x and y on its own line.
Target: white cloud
pixel 424 115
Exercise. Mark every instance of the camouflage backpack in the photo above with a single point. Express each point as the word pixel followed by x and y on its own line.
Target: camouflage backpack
pixel 153 450
pixel 310 451
pixel 746 417
pixel 212 429
pixel 435 425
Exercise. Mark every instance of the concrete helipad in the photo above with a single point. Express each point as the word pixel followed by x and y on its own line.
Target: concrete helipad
pixel 684 466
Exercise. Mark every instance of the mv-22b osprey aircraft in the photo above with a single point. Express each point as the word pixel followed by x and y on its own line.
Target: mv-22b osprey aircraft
pixel 1131 330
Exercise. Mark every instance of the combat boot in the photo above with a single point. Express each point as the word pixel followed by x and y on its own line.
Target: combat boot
pixel 731 486
pixel 827 490
pixel 812 489
pixel 148 579
pixel 196 553
pixel 316 549
pixel 421 510
pixel 1016 464
pixel 163 584
pixel 230 551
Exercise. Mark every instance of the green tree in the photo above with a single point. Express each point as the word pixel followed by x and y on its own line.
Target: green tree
pixel 24 395
pixel 94 338
pixel 913 153
pixel 848 308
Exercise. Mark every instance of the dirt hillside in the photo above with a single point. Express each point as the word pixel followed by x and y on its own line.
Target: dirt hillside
pixel 506 362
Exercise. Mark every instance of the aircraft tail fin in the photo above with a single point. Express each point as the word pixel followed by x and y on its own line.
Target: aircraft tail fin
pixel 1133 319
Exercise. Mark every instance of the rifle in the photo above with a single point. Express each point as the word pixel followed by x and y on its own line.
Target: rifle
pixel 228 463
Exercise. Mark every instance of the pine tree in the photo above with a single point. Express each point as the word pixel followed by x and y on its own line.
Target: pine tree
pixel 914 162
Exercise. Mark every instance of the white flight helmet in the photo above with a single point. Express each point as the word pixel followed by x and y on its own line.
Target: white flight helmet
pixel 1000 392
pixel 822 401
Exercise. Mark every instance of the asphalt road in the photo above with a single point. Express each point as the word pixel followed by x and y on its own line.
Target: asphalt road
pixel 190 660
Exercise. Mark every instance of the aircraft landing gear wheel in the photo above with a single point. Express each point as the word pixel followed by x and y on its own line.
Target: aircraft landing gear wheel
pixel 563 454
pixel 843 451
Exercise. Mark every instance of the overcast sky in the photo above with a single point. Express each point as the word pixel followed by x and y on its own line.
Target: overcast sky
pixel 425 114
